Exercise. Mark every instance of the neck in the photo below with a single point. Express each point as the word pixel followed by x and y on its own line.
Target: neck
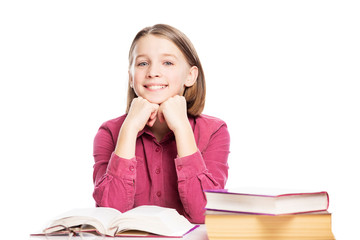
pixel 159 130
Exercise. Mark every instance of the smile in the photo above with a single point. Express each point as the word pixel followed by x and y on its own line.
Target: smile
pixel 155 87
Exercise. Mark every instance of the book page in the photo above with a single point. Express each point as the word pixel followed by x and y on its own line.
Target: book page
pixel 145 210
pixel 273 192
pixel 154 219
pixel 98 217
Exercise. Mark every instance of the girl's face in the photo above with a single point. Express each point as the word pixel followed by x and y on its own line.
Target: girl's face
pixel 159 70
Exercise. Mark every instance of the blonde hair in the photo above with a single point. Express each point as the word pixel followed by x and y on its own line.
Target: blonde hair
pixel 194 95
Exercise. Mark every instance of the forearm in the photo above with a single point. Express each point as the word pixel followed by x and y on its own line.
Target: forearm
pixel 185 141
pixel 126 142
pixel 193 178
pixel 113 176
pixel 205 169
pixel 116 188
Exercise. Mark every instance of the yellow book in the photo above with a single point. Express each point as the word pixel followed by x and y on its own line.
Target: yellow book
pixel 224 225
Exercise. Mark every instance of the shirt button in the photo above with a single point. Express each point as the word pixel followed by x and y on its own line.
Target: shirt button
pixel 157 149
pixel 158 194
pixel 131 168
pixel 157 171
pixel 179 167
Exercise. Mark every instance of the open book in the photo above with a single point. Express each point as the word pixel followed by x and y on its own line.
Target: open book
pixel 111 222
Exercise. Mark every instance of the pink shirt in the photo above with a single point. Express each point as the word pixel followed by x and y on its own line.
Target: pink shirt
pixel 156 175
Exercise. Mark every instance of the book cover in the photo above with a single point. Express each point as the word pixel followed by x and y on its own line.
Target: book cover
pixel 267 201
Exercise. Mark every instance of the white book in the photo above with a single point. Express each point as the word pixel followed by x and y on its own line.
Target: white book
pixel 267 201
pixel 111 222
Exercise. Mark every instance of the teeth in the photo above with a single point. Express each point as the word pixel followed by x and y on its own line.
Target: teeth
pixel 155 87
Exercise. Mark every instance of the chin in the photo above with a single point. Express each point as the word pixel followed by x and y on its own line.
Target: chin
pixel 156 101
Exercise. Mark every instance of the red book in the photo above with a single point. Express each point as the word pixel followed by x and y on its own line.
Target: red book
pixel 268 202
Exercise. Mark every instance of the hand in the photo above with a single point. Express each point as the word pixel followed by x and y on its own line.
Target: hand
pixel 174 112
pixel 141 113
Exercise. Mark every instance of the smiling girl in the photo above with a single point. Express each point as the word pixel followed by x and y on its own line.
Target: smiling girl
pixel 163 151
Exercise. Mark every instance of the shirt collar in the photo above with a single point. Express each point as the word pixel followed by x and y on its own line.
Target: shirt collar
pixel 148 131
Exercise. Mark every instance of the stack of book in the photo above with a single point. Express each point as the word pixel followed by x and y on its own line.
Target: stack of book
pixel 255 215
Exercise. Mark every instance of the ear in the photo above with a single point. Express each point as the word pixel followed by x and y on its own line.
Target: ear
pixel 131 83
pixel 192 77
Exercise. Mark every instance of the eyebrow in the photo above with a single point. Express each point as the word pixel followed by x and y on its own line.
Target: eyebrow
pixel 163 55
pixel 169 55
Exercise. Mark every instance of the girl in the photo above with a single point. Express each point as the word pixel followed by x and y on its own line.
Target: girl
pixel 163 151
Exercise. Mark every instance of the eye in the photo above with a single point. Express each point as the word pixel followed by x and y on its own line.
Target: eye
pixel 168 63
pixel 141 64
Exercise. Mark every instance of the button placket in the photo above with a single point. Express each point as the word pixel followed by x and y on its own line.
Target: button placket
pixel 158 180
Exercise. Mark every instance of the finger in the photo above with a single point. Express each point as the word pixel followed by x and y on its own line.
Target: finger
pixel 160 115
pixel 153 115
pixel 151 122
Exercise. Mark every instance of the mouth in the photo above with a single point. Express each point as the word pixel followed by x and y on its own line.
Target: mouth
pixel 155 87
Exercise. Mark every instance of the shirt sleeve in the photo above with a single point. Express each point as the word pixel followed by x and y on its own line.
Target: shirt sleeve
pixel 114 177
pixel 203 171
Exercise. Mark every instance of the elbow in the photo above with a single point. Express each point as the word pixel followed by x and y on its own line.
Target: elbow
pixel 196 216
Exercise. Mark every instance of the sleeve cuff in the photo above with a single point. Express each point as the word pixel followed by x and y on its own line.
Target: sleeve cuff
pixel 190 166
pixel 121 167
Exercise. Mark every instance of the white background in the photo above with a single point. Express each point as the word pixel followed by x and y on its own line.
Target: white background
pixel 284 75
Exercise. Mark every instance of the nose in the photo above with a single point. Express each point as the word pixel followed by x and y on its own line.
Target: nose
pixel 154 71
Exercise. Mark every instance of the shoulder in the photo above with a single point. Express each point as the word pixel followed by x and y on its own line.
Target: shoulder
pixel 112 126
pixel 208 122
pixel 106 136
pixel 207 129
pixel 115 122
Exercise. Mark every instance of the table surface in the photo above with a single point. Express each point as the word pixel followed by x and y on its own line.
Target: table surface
pixel 198 234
